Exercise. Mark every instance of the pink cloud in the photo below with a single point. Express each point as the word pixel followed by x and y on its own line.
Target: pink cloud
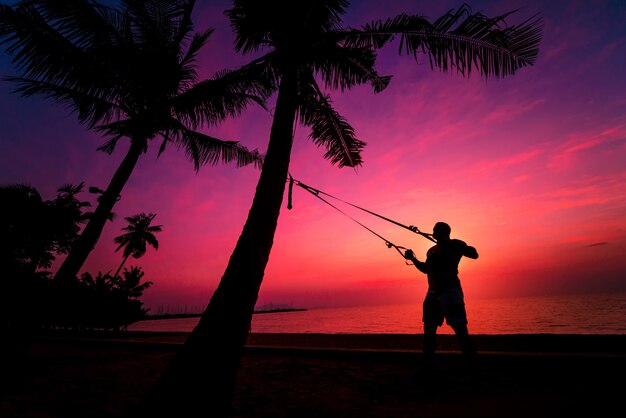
pixel 490 167
pixel 512 111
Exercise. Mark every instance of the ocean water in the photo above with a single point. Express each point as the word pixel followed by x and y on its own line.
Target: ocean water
pixel 576 314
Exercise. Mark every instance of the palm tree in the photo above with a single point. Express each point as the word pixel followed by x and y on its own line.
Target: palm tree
pixel 303 45
pixel 127 73
pixel 139 233
pixel 131 286
pixel 131 289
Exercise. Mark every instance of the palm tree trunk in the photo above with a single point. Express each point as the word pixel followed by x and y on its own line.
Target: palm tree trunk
pixel 90 235
pixel 121 265
pixel 200 379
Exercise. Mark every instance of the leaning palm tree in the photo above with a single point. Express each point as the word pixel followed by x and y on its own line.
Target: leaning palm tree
pixel 127 73
pixel 306 48
pixel 139 233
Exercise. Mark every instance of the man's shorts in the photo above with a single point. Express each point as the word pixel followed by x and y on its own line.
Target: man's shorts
pixel 448 304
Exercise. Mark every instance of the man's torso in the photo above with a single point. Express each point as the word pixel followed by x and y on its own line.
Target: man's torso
pixel 443 264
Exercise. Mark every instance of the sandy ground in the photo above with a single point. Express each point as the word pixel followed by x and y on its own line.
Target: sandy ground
pixel 308 375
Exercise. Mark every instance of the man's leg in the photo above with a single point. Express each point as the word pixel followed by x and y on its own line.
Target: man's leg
pixel 432 317
pixel 465 341
pixel 456 317
pixel 430 339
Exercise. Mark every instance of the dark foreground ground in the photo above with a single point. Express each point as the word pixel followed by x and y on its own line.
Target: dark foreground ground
pixel 308 375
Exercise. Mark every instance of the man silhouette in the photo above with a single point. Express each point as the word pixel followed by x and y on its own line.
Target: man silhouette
pixel 444 298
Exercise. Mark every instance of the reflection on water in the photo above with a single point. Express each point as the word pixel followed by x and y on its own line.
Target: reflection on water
pixel 580 314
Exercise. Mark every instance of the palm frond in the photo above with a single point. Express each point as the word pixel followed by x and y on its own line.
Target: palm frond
pixel 151 239
pixel 204 149
pixel 71 190
pixel 228 94
pixel 165 136
pixel 251 22
pixel 331 130
pixel 264 72
pixel 91 109
pixel 188 61
pixel 369 36
pixel 20 191
pixel 109 146
pixel 114 131
pixel 343 68
pixel 160 22
pixel 257 24
pixel 41 51
pixel 82 22
pixel 460 40
pixel 185 26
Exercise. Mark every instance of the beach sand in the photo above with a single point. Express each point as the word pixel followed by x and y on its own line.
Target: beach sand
pixel 319 375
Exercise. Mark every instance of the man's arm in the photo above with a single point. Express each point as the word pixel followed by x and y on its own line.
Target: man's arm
pixel 470 252
pixel 421 266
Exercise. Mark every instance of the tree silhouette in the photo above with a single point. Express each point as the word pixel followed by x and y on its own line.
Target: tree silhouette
pixel 97 302
pixel 304 45
pixel 131 285
pixel 130 288
pixel 139 233
pixel 127 73
pixel 33 232
pixel 105 302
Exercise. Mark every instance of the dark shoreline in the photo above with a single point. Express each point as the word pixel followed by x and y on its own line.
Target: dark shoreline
pixel 105 374
pixel 197 315
pixel 614 344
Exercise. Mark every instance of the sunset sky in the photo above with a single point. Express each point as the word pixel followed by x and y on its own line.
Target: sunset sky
pixel 530 170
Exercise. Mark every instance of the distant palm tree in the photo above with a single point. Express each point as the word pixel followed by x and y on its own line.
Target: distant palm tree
pixel 139 234
pixel 131 285
pixel 304 44
pixel 128 73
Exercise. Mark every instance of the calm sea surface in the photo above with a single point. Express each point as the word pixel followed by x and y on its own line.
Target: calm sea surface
pixel 580 314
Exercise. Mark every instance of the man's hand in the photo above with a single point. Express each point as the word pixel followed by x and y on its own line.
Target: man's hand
pixel 408 254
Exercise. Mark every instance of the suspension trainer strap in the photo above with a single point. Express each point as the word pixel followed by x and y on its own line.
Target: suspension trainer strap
pixel 389 244
pixel 317 192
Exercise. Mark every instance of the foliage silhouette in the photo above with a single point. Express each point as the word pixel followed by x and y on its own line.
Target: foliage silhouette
pixel 127 73
pixel 103 302
pixel 32 233
pixel 302 46
pixel 140 233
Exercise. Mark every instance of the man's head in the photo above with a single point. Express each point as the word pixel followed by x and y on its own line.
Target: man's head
pixel 441 231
